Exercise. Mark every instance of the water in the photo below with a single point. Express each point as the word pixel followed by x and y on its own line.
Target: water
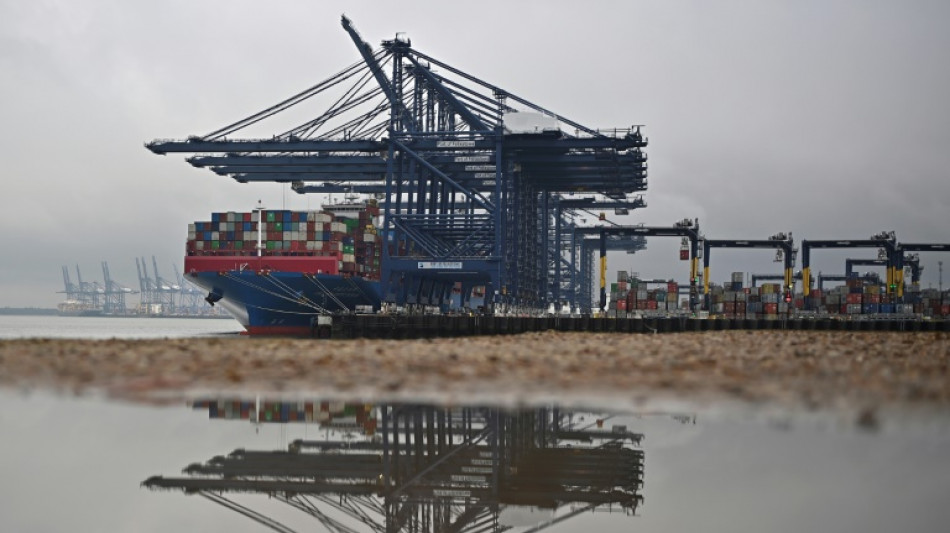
pixel 75 327
pixel 79 464
pixel 86 463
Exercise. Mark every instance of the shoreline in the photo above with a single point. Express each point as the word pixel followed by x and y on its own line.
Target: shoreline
pixel 802 371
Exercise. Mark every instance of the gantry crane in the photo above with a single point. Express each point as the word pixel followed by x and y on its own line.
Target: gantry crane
pixel 885 240
pixel 780 241
pixel 686 228
pixel 470 175
pixel 114 294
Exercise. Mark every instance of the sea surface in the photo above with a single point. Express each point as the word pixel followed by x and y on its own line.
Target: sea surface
pixel 240 462
pixel 78 327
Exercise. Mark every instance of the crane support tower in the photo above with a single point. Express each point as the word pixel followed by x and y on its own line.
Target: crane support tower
pixel 472 178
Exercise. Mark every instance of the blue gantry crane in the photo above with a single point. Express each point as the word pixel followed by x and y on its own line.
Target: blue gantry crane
pixel 474 181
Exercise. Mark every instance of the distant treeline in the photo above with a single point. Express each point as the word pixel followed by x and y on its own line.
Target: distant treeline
pixel 27 311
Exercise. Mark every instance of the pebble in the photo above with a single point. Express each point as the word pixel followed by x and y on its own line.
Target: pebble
pixel 799 369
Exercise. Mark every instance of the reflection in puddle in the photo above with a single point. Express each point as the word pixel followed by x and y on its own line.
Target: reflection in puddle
pixel 406 467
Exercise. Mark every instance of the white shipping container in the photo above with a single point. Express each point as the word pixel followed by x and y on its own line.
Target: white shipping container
pixel 302 226
pixel 199 245
pixel 215 236
pixel 192 235
pixel 192 227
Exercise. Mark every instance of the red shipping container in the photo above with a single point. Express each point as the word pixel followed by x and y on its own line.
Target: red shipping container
pixel 854 298
pixel 945 310
pixel 247 217
pixel 771 309
pixel 621 305
pixel 651 304
pixel 872 298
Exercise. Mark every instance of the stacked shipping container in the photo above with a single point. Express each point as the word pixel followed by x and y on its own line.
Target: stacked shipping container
pixel 335 414
pixel 353 241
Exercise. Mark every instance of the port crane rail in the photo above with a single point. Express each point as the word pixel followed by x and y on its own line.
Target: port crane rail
pixel 469 191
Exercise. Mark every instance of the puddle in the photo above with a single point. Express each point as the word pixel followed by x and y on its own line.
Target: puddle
pixel 265 463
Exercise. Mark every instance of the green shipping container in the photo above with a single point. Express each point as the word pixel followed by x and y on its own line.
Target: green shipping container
pixel 215 245
pixel 278 226
pixel 270 245
pixel 271 217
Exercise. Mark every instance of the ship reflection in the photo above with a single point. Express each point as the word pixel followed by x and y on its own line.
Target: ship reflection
pixel 422 468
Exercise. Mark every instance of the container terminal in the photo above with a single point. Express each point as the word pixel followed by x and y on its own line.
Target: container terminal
pixel 464 198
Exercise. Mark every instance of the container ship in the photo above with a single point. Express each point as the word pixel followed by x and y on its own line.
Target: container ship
pixel 277 271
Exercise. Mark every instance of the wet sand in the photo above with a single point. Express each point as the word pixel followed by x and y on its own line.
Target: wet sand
pixel 861 371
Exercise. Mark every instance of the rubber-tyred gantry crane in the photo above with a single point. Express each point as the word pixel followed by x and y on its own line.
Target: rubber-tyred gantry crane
pixel 686 228
pixel 885 240
pixel 780 241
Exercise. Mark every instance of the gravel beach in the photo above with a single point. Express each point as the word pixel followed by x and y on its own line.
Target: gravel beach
pixel 861 371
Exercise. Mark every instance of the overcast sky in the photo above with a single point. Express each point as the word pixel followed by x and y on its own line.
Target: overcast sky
pixel 827 119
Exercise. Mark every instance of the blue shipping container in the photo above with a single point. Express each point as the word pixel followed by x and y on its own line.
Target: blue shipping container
pixel 247 226
pixel 207 236
pixel 887 308
pixel 872 308
pixel 215 217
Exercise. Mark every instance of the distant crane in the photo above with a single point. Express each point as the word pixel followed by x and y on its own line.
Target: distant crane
pixel 165 291
pixel 114 294
pixel 145 287
pixel 190 298
pixel 72 291
pixel 89 292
